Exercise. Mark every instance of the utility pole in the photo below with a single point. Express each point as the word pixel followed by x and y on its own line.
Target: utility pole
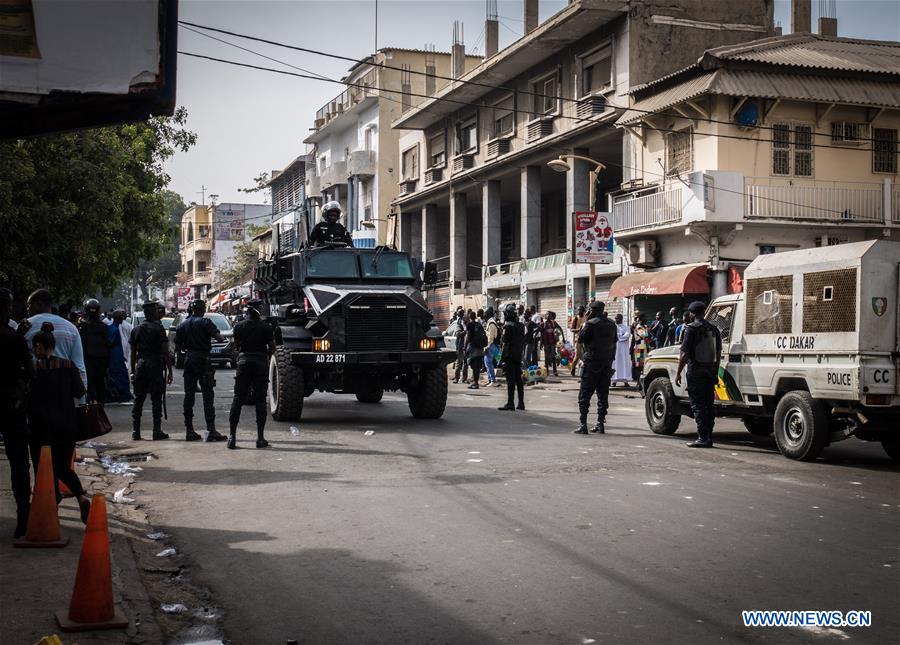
pixel 202 193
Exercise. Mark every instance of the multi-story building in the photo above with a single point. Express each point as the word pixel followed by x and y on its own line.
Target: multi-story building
pixel 209 235
pixel 290 206
pixel 477 195
pixel 781 143
pixel 354 157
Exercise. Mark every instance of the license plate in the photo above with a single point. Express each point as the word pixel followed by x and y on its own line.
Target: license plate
pixel 216 350
pixel 331 358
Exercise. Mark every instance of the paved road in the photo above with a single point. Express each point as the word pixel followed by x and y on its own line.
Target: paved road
pixel 489 527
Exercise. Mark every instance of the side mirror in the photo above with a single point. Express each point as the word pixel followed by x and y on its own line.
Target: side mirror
pixel 430 273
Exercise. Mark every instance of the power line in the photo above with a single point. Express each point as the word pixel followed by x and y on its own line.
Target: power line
pixel 556 97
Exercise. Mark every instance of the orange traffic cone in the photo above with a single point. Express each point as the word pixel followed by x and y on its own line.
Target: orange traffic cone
pixel 63 489
pixel 92 598
pixel 43 521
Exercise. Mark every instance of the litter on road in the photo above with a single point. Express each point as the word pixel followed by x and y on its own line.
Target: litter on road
pixel 166 553
pixel 176 608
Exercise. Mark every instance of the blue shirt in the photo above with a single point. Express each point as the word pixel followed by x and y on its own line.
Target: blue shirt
pixel 68 340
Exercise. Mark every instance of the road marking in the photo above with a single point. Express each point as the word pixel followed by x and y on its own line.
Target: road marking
pixel 474 461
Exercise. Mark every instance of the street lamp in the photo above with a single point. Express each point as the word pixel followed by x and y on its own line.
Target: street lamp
pixel 561 164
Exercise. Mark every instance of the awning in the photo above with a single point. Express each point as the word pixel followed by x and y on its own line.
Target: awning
pixel 690 279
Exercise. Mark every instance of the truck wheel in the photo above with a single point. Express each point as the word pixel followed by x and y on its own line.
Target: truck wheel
pixel 285 387
pixel 801 426
pixel 759 426
pixel 428 398
pixel 660 406
pixel 892 448
pixel 370 395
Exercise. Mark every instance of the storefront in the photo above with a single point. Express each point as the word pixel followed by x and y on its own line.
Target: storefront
pixel 653 291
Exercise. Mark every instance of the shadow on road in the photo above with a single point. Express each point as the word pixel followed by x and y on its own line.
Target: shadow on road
pixel 229 476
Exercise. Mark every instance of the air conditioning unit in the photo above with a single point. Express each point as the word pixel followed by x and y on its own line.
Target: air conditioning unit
pixel 463 162
pixel 631 184
pixel 590 106
pixel 497 147
pixel 407 187
pixel 846 133
pixel 539 128
pixel 433 175
pixel 643 253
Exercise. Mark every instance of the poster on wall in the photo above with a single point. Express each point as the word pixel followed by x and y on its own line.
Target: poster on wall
pixel 185 296
pixel 593 241
pixel 229 222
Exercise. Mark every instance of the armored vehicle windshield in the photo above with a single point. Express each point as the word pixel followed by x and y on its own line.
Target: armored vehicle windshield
pixel 359 265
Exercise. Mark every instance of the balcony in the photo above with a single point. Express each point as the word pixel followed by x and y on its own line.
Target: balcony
pixel 731 198
pixel 203 243
pixel 346 101
pixel 815 200
pixel 201 278
pixel 334 174
pixel 363 163
pixel 313 184
pixel 510 274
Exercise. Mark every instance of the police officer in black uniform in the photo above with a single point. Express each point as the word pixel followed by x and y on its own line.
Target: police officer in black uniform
pixel 151 370
pixel 96 343
pixel 330 230
pixel 194 336
pixel 513 340
pixel 255 343
pixel 701 351
pixel 598 340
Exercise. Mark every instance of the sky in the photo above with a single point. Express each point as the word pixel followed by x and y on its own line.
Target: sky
pixel 251 121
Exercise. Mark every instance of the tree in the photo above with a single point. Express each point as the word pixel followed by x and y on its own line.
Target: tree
pixel 239 268
pixel 81 210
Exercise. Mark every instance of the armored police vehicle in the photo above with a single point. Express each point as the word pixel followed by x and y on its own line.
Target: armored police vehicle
pixel 352 321
pixel 810 351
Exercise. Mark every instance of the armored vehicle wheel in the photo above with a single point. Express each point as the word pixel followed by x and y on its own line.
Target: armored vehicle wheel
pixel 661 407
pixel 370 395
pixel 285 387
pixel 428 398
pixel 801 426
pixel 759 426
pixel 892 448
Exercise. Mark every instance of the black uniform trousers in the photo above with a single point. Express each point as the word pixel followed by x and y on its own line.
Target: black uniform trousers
pixel 595 378
pixel 96 376
pixel 199 371
pixel 512 369
pixel 61 452
pixel 15 444
pixel 148 379
pixel 701 383
pixel 252 371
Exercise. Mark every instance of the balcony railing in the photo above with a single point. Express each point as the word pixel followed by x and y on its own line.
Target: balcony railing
pixel 201 277
pixel 550 261
pixel 642 209
pixel 362 162
pixel 347 99
pixel 798 199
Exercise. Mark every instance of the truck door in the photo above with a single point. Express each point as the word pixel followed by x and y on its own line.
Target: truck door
pixel 722 316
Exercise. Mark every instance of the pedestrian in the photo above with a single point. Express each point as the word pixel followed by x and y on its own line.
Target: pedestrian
pixel 576 323
pixel 151 371
pixel 52 418
pixel 532 339
pixel 119 390
pixel 701 351
pixel 476 341
pixel 551 333
pixel 512 342
pixel 65 333
pixel 254 341
pixel 95 340
pixel 520 314
pixel 658 331
pixel 125 329
pixel 640 346
pixel 598 338
pixel 673 325
pixel 622 365
pixel 458 331
pixel 679 330
pixel 492 330
pixel 481 316
pixel 194 336
pixel 16 371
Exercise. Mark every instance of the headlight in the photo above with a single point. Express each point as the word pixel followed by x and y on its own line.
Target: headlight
pixel 428 343
pixel 321 345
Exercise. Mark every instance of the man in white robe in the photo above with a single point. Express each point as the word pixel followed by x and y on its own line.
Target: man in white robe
pixel 622 364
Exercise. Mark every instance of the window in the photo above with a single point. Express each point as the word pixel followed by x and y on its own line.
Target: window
pixel 884 150
pixel 437 146
pixel 679 153
pixel 204 231
pixel 596 71
pixel 792 149
pixel 721 317
pixel 545 95
pixel 385 265
pixel 410 164
pixel 504 117
pixel 369 136
pixel 467 135
pixel 201 265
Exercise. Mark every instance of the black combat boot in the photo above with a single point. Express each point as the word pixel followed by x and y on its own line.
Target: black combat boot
pixel 190 434
pixel 213 435
pixel 582 428
pixel 158 434
pixel 599 428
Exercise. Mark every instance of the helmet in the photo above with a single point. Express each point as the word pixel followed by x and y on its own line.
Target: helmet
pixel 331 211
pixel 91 306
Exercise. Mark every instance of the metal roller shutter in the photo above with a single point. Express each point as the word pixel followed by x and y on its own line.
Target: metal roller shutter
pixel 439 303
pixel 613 307
pixel 553 299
